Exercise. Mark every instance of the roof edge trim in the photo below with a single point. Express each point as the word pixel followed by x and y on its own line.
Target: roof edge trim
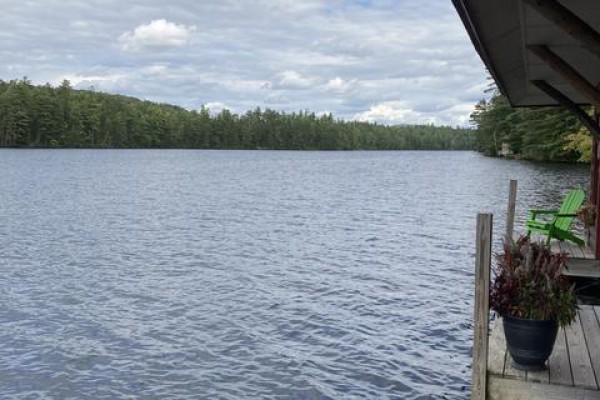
pixel 463 13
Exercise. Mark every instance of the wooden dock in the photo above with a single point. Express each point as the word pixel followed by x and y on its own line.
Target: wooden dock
pixel 573 369
pixel 580 260
pixel 572 250
pixel 572 372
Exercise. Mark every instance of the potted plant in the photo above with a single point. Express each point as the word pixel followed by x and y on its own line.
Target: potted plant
pixel 587 215
pixel 533 297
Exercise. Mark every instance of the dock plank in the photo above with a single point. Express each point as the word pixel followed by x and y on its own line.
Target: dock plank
pixel 572 249
pixel 591 331
pixel 539 376
pixel 558 363
pixel 497 344
pixel 566 248
pixel 588 253
pixel 577 252
pixel 581 365
pixel 510 371
pixel 583 268
pixel 510 389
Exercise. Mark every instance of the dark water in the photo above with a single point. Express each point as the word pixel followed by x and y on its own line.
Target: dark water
pixel 230 275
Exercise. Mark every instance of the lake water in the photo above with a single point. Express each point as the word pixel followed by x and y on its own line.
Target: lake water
pixel 245 274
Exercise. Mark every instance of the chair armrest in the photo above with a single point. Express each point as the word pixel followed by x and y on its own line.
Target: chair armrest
pixel 544 211
pixel 534 213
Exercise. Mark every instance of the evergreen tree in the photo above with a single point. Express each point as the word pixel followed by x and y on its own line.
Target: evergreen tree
pixel 534 133
pixel 65 117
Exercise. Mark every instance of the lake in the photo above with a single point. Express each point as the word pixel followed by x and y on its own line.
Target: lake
pixel 168 274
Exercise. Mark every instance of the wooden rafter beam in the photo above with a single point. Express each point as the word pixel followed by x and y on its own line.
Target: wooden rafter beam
pixel 585 119
pixel 568 22
pixel 569 73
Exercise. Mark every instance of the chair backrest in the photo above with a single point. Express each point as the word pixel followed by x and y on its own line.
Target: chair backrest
pixel 570 205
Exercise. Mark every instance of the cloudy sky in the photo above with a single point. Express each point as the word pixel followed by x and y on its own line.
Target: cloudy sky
pixel 390 61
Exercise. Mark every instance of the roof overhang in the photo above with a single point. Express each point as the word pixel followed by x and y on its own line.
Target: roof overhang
pixel 525 42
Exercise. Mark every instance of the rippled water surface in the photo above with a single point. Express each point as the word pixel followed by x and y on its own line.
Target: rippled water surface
pixel 233 275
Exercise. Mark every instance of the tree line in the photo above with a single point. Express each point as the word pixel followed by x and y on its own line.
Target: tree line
pixel 532 133
pixel 47 116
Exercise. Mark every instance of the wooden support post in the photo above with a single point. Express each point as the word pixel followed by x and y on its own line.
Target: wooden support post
pixel 512 204
pixel 593 173
pixel 483 262
pixel 595 189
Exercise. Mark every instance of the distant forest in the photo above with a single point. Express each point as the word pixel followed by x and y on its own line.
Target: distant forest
pixel 532 133
pixel 47 116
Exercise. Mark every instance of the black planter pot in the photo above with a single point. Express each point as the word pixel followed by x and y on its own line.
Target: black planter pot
pixel 529 342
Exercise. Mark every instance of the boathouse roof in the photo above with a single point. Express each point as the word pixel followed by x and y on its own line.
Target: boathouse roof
pixel 538 50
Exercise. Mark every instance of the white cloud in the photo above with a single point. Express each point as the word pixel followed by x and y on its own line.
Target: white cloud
pixel 337 84
pixel 85 81
pixel 292 80
pixel 216 107
pixel 390 61
pixel 157 35
pixel 393 112
pixel 401 112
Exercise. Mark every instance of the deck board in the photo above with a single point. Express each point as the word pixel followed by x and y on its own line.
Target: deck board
pixel 572 369
pixel 510 371
pixel 497 343
pixel 583 268
pixel 581 261
pixel 567 248
pixel 558 363
pixel 539 376
pixel 581 365
pixel 591 328
pixel 572 249
pixel 577 252
pixel 510 389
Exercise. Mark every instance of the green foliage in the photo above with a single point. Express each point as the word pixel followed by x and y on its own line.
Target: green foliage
pixel 529 283
pixel 580 142
pixel 44 116
pixel 540 133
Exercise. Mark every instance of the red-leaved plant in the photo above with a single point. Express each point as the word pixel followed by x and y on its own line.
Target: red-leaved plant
pixel 529 283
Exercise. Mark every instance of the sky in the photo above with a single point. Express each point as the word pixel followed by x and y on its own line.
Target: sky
pixel 389 61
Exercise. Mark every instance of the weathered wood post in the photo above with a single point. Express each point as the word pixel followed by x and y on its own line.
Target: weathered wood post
pixel 510 213
pixel 483 263
pixel 595 188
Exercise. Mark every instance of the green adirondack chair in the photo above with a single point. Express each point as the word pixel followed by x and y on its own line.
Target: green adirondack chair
pixel 559 226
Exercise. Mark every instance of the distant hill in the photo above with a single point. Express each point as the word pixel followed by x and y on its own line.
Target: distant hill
pixel 46 116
